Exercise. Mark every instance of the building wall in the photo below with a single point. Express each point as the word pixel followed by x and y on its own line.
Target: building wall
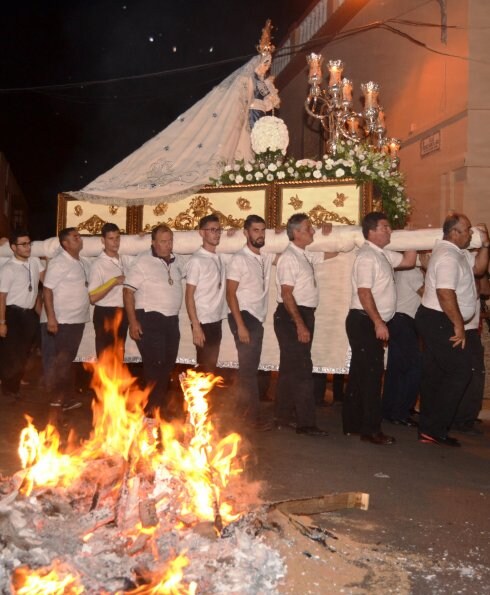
pixel 425 95
pixel 13 206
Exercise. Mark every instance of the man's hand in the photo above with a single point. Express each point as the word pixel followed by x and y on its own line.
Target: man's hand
pixel 482 228
pixel 326 229
pixel 381 331
pixel 459 337
pixel 198 337
pixel 243 334
pixel 304 335
pixel 52 326
pixel 135 331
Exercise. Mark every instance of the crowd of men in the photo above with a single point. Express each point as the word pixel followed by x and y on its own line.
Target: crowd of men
pixel 430 325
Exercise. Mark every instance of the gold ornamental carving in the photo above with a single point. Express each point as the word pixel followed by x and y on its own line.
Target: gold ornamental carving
pixel 340 200
pixel 113 209
pixel 93 225
pixel 243 204
pixel 319 215
pixel 199 207
pixel 296 202
pixel 77 209
pixel 160 209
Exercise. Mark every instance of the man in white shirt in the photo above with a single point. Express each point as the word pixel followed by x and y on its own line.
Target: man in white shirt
pixel 19 284
pixel 294 324
pixel 404 366
pixel 373 304
pixel 247 292
pixel 449 302
pixel 107 275
pixel 205 294
pixel 152 296
pixel 67 310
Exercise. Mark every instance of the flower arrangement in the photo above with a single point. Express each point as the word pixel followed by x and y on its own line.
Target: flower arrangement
pixel 357 161
pixel 269 134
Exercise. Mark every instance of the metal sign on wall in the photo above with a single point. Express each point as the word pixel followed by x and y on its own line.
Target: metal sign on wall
pixel 430 144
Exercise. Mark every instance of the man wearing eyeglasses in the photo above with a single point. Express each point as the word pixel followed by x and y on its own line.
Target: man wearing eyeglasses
pixel 205 294
pixel 19 283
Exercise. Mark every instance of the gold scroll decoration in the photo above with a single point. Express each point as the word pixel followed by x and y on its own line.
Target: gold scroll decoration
pixel 199 207
pixel 243 204
pixel 160 209
pixel 113 209
pixel 77 209
pixel 93 225
pixel 319 215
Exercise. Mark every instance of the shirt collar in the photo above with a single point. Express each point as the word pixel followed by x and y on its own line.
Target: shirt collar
pixel 249 252
pixel 172 256
pixel 374 246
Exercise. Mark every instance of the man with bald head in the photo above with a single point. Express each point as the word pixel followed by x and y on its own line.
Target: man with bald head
pixel 448 303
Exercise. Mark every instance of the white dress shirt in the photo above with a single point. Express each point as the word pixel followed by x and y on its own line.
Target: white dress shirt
pixel 373 269
pixel 407 284
pixel 16 277
pixel 207 272
pixel 67 277
pixel 451 268
pixel 103 269
pixel 296 268
pixel 157 285
pixel 252 273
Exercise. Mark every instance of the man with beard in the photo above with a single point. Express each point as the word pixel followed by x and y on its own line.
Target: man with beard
pixel 448 303
pixel 247 292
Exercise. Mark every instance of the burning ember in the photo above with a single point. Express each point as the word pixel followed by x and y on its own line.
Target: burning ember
pixel 140 507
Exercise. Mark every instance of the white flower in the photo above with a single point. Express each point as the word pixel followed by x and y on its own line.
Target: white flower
pixel 249 177
pixel 281 175
pixel 236 167
pixel 272 167
pixel 227 167
pixel 318 165
pixel 307 174
pixel 239 179
pixel 259 175
pixel 232 176
pixel 290 170
pixel 339 173
pixel 269 177
pixel 317 174
pixel 248 167
pixel 269 134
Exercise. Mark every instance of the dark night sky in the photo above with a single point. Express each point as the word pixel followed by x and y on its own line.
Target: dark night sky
pixel 61 139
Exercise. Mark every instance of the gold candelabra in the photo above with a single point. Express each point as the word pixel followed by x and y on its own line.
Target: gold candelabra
pixel 332 106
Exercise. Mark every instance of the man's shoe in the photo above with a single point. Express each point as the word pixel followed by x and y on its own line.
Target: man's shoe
pixel 284 425
pixel 442 441
pixel 71 405
pixel 409 422
pixel 378 438
pixel 261 426
pixel 311 431
pixel 468 430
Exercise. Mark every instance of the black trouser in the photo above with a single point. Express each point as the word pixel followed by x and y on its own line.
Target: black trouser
pixel 111 328
pixel 59 351
pixel 159 346
pixel 471 403
pixel 207 356
pixel 403 370
pixel 295 383
pixel 446 372
pixel 361 409
pixel 22 325
pixel 248 395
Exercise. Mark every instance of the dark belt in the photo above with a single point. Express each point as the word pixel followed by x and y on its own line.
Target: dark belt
pixel 363 312
pixel 14 307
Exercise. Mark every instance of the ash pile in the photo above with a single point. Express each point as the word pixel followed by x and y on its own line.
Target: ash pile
pixel 141 507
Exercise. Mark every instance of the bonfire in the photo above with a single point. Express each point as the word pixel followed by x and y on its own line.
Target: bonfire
pixel 142 506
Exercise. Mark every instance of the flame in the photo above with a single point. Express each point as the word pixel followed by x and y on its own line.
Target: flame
pixel 168 582
pixel 56 579
pixel 203 463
